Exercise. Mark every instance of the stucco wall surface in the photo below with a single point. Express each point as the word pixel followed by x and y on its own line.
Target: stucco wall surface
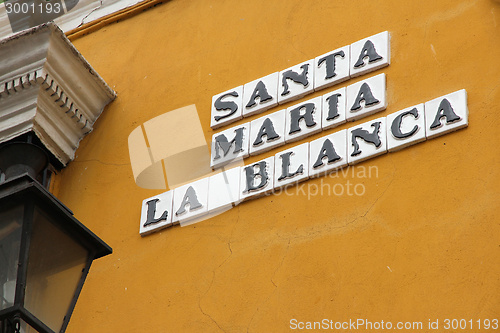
pixel 422 242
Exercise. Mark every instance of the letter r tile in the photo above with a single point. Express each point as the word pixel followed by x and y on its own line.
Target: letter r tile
pixel 303 119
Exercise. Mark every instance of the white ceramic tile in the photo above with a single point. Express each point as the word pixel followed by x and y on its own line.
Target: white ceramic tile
pixel 160 208
pixel 190 201
pixel 230 145
pixel 224 189
pixel 405 127
pixel 446 114
pixel 370 54
pixel 303 119
pixel 366 97
pixel 291 165
pixel 257 179
pixel 366 140
pixel 331 68
pixel 333 111
pixel 328 153
pixel 267 132
pixel 260 95
pixel 296 82
pixel 227 107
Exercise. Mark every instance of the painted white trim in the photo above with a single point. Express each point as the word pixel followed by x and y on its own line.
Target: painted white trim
pixel 46 86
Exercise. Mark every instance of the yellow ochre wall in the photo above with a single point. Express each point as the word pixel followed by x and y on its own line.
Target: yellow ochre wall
pixel 423 242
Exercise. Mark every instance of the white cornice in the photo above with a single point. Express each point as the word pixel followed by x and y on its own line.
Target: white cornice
pixel 47 87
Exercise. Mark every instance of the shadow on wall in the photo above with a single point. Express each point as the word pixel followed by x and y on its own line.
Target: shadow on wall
pixel 170 150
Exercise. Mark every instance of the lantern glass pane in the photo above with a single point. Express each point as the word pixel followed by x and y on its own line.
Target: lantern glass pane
pixel 10 243
pixel 56 263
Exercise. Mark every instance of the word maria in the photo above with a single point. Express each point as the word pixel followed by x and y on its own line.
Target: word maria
pixel 297 81
pixel 311 159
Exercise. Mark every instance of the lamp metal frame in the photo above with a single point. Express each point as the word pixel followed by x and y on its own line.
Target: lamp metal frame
pixel 25 189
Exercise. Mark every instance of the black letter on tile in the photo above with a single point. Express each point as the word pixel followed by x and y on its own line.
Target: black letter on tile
pixel 261 92
pixel 221 142
pixel 367 136
pixel 367 51
pixel 152 212
pixel 285 167
pixel 191 199
pixel 266 129
pixel 330 63
pixel 364 94
pixel 445 110
pixel 333 106
pixel 296 117
pixel 251 175
pixel 326 151
pixel 220 105
pixel 396 125
pixel 295 77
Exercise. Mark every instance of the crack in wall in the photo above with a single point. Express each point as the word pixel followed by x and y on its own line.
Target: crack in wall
pixel 274 284
pixel 206 314
pixel 272 280
pixel 214 272
pixel 308 236
pixel 281 263
pixel 369 208
pixel 93 10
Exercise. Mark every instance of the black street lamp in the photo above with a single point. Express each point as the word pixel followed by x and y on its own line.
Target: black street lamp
pixel 45 253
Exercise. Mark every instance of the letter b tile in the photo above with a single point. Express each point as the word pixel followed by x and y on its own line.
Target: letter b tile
pixel 257 179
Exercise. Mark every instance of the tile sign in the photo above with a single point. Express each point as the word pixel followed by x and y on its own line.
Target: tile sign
pixel 331 152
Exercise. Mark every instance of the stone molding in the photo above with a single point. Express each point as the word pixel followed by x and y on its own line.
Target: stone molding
pixel 46 86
